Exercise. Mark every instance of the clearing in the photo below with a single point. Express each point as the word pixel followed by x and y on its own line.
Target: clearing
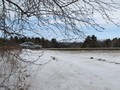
pixel 76 70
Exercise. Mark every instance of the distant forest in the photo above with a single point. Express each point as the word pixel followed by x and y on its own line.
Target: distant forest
pixel 89 42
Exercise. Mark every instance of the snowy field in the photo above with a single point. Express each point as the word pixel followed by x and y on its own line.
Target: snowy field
pixel 76 70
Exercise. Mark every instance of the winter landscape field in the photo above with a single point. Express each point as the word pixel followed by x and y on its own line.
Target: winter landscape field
pixel 75 70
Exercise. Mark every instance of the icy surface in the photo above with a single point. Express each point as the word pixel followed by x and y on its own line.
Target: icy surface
pixel 77 70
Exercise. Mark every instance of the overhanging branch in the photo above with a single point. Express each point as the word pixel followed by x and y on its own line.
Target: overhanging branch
pixel 23 12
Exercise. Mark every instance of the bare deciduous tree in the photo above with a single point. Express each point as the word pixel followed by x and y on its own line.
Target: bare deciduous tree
pixel 68 16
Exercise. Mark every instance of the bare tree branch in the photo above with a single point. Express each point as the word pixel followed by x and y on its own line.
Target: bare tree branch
pixel 68 16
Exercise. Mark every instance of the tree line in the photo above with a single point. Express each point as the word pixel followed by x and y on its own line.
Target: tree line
pixel 12 41
pixel 89 42
pixel 93 42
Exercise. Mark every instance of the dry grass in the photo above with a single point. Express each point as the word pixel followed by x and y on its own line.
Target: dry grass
pixel 75 49
pixel 9 48
pixel 13 72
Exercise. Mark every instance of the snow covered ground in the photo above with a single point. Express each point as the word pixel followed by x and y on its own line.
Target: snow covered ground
pixel 76 70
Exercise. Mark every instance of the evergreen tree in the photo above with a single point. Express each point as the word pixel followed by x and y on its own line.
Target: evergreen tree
pixel 90 42
pixel 94 42
pixel 87 42
pixel 54 43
